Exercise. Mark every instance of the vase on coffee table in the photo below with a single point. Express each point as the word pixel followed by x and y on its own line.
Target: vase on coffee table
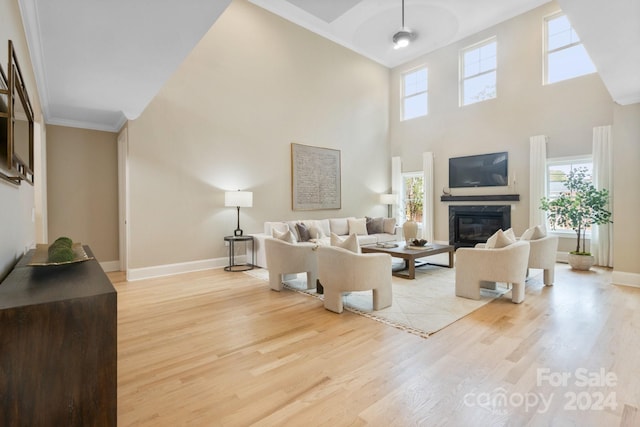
pixel 410 231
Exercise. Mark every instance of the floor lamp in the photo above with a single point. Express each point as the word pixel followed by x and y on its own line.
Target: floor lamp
pixel 239 199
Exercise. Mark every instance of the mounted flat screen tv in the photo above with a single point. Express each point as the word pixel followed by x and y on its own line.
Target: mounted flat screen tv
pixel 483 170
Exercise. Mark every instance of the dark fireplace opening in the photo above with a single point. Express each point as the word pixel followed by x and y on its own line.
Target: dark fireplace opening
pixel 469 225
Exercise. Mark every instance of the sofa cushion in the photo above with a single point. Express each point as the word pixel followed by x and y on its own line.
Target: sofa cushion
pixel 303 232
pixel 287 236
pixel 323 225
pixel 500 239
pixel 350 243
pixel 534 233
pixel 340 226
pixel 357 226
pixel 375 225
pixel 389 225
pixel 369 239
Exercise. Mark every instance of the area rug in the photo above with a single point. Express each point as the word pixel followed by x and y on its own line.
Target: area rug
pixel 422 306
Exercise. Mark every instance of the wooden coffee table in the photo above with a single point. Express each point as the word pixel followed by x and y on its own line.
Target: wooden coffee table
pixel 410 256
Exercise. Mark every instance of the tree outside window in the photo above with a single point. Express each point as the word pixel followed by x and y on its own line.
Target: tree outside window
pixel 557 172
pixel 413 193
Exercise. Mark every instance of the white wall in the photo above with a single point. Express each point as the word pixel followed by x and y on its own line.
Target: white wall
pixel 225 121
pixel 626 196
pixel 17 230
pixel 565 111
pixel 82 178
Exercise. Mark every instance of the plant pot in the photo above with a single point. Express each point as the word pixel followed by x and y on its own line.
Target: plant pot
pixel 581 262
pixel 410 230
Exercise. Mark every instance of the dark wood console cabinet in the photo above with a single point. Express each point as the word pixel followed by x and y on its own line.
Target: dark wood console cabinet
pixel 58 346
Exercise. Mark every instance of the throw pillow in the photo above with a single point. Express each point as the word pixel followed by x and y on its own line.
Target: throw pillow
pixel 498 240
pixel 357 226
pixel 534 233
pixel 287 236
pixel 350 243
pixel 389 225
pixel 316 232
pixel 374 225
pixel 510 234
pixel 303 232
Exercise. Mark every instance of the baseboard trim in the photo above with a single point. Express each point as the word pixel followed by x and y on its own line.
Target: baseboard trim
pixel 109 266
pixel 625 279
pixel 134 274
pixel 562 257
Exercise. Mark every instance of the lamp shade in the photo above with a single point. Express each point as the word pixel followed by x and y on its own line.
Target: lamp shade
pixel 242 199
pixel 388 199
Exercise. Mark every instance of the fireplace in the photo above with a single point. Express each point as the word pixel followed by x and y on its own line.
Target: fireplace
pixel 469 225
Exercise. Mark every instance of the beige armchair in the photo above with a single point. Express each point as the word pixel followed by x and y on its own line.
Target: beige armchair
pixel 543 255
pixel 341 270
pixel 289 258
pixel 480 267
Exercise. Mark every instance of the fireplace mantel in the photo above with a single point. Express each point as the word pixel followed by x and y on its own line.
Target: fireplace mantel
pixel 482 198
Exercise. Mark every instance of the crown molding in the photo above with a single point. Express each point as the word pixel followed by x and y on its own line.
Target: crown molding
pixel 31 24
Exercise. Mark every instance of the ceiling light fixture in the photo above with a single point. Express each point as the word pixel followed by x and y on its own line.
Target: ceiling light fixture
pixel 403 37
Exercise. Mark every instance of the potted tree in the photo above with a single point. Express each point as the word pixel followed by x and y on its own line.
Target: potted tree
pixel 578 208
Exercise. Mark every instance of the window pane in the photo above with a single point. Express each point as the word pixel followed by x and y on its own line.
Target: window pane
pixel 415 82
pixel 557 174
pixel 488 57
pixel 479 75
pixel 479 88
pixel 568 63
pixel 413 192
pixel 415 106
pixel 559 33
pixel 414 101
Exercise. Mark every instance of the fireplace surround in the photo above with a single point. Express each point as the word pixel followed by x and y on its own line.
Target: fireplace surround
pixel 472 224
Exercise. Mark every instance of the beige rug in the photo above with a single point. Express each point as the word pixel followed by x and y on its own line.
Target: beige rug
pixel 422 306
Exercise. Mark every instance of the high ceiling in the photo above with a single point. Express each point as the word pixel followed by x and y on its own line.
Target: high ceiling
pixel 99 63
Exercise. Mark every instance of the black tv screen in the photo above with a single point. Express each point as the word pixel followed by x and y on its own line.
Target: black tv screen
pixel 483 170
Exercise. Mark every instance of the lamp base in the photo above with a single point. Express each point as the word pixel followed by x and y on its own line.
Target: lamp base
pixel 237 232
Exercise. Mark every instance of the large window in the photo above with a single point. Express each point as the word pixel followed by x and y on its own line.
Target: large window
pixel 565 57
pixel 557 171
pixel 478 65
pixel 412 196
pixel 414 94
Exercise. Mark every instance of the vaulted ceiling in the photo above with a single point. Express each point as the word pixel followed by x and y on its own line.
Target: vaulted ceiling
pixel 99 63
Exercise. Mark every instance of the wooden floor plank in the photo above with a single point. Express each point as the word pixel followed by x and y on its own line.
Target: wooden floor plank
pixel 220 348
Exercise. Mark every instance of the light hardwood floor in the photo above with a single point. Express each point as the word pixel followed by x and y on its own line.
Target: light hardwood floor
pixel 217 348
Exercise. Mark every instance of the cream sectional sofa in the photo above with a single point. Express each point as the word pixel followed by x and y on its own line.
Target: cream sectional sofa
pixel 384 230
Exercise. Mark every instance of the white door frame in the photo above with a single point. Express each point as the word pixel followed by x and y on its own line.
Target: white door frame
pixel 123 199
pixel 40 183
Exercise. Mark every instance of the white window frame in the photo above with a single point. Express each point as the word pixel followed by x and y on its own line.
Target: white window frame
pixel 404 97
pixel 462 78
pixel 577 160
pixel 547 52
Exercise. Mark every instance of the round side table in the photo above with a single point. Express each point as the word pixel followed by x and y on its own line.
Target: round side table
pixel 232 253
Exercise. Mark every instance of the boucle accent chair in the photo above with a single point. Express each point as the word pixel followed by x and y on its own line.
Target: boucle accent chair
pixel 477 266
pixel 341 270
pixel 542 254
pixel 286 258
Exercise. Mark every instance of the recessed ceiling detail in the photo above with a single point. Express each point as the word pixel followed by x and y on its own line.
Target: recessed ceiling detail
pixel 327 10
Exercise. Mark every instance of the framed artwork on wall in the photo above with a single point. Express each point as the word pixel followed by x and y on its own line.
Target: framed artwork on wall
pixel 315 178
